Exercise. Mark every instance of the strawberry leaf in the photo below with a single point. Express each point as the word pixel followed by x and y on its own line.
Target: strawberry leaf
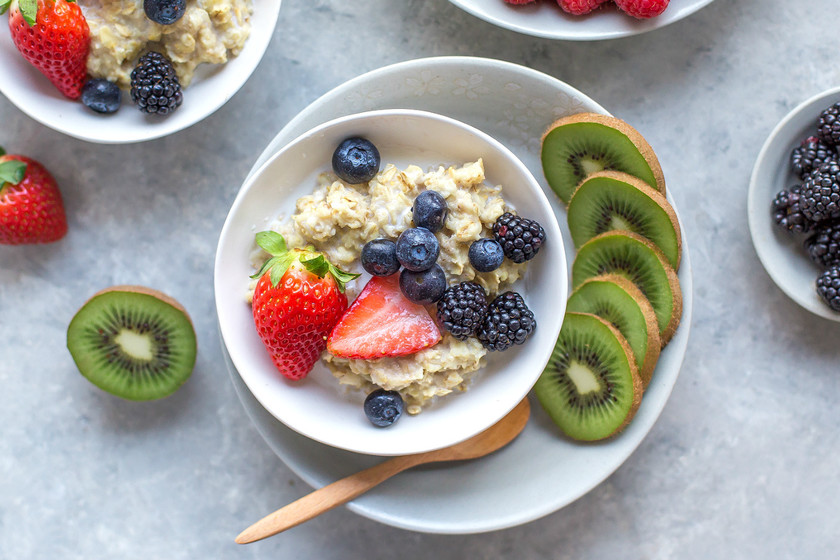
pixel 12 171
pixel 317 265
pixel 2 151
pixel 272 243
pixel 4 5
pixel 341 277
pixel 29 11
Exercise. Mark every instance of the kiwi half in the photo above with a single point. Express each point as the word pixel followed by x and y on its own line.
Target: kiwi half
pixel 576 146
pixel 133 342
pixel 619 302
pixel 640 261
pixel 610 200
pixel 590 387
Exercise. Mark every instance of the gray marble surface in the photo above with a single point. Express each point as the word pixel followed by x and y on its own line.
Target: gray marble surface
pixel 742 463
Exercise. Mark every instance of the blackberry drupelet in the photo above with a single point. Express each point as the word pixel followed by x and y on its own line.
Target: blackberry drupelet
pixel 462 309
pixel 508 322
pixel 824 246
pixel 520 238
pixel 810 154
pixel 154 85
pixel 828 287
pixel 820 197
pixel 828 128
pixel 787 213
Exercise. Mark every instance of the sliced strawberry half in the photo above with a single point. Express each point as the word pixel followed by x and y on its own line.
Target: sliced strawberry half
pixel 381 323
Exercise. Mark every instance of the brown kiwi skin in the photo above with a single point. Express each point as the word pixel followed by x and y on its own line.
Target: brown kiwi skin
pixel 149 292
pixel 654 194
pixel 673 281
pixel 641 144
pixel 654 345
pixel 638 386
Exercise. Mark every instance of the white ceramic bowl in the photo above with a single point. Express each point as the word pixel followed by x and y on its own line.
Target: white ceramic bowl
pixel 318 406
pixel 545 19
pixel 782 253
pixel 212 87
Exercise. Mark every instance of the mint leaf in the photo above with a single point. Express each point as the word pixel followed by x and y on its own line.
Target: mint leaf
pixel 29 11
pixel 272 242
pixel 12 172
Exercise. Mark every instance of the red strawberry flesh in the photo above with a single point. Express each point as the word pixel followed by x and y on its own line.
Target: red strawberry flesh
pixel 382 322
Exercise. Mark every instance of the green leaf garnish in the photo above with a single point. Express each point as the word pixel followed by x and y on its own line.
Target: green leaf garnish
pixel 272 242
pixel 29 11
pixel 12 171
pixel 4 5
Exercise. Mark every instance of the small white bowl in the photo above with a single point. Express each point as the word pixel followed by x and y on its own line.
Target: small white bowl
pixel 782 253
pixel 318 406
pixel 212 86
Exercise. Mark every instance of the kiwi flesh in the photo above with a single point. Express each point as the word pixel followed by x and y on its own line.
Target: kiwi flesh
pixel 632 256
pixel 611 200
pixel 590 387
pixel 576 146
pixel 133 342
pixel 619 302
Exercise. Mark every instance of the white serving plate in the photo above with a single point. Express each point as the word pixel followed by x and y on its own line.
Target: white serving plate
pixel 318 406
pixel 546 19
pixel 212 87
pixel 782 253
pixel 541 471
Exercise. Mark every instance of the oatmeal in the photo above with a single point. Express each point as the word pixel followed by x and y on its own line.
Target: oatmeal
pixel 210 31
pixel 338 219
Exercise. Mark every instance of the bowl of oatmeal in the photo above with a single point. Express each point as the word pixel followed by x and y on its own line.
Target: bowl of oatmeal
pixel 452 390
pixel 214 47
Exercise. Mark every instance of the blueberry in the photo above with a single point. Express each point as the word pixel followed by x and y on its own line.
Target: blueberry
pixel 379 257
pixel 417 249
pixel 356 160
pixel 101 96
pixel 425 287
pixel 383 408
pixel 164 12
pixel 486 255
pixel 429 211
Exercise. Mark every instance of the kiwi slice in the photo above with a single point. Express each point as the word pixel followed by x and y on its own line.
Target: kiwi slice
pixel 640 261
pixel 578 145
pixel 133 342
pixel 590 387
pixel 611 200
pixel 619 302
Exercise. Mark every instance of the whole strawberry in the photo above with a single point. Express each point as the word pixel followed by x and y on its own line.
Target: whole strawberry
pixel 31 210
pixel 53 36
pixel 298 300
pixel 642 9
pixel 579 7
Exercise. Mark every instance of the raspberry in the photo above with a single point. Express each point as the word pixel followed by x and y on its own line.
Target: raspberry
pixel 579 7
pixel 642 9
pixel 810 154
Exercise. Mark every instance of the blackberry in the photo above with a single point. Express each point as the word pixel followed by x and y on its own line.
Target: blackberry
pixel 154 85
pixel 787 213
pixel 810 154
pixel 824 246
pixel 508 322
pixel 820 197
pixel 520 238
pixel 828 128
pixel 828 287
pixel 462 309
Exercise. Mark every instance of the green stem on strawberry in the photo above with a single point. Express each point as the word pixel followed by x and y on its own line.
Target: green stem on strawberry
pixel 282 258
pixel 11 171
pixel 4 5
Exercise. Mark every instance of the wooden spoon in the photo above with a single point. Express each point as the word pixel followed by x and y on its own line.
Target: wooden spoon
pixel 342 491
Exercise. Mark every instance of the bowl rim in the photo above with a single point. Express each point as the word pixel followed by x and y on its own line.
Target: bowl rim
pixel 758 211
pixel 154 131
pixel 534 191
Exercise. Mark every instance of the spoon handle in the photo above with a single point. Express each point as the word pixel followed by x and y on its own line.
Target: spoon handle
pixel 325 499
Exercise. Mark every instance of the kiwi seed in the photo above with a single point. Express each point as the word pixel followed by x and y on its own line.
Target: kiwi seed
pixel 133 342
pixel 640 261
pixel 619 302
pixel 576 146
pixel 610 200
pixel 590 387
